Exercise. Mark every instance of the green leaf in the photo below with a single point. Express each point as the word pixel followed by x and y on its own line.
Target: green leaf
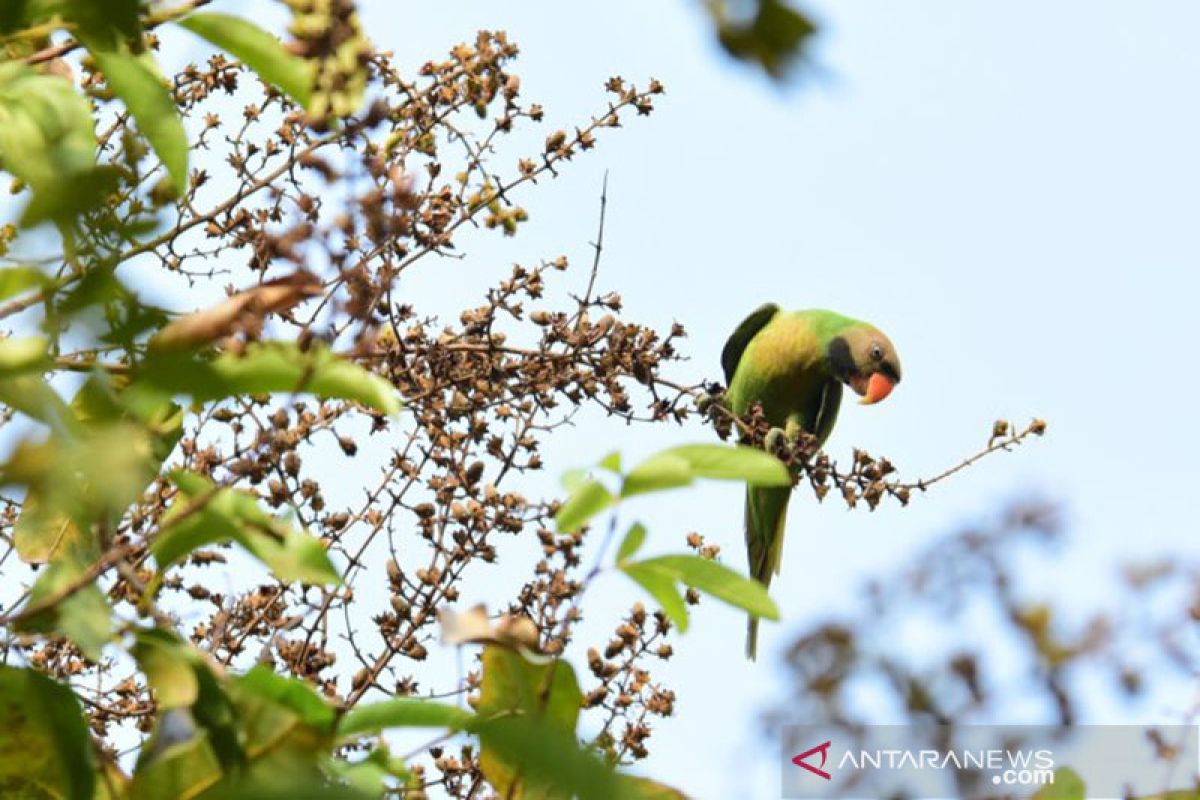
pixel 47 139
pixel 291 693
pixel 15 280
pixel 111 783
pixel 205 514
pixel 646 789
pixel 95 471
pixel 140 87
pixel 631 543
pixel 511 683
pixel 774 38
pixel 298 556
pixel 105 22
pixel 214 711
pixel 258 50
pixel 402 712
pixel 572 479
pixel 107 398
pixel 544 697
pixel 661 586
pixel 679 466
pixel 41 536
pixel 717 580
pixel 45 750
pixel 1067 786
pixel 549 763
pixel 270 367
pixel 738 463
pixel 288 774
pixel 273 711
pixel 70 198
pixel 14 16
pixel 18 356
pixel 63 496
pixel 170 667
pixel 658 473
pixel 47 120
pixel 91 477
pixel 282 771
pixel 180 769
pixel 611 462
pixel 264 736
pixel 191 747
pixel 589 499
pixel 201 515
pixel 370 775
pixel 32 396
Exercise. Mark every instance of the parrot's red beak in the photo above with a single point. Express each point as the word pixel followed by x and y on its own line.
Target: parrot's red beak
pixel 873 389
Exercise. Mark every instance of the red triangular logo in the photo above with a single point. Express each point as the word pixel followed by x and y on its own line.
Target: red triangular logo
pixel 823 749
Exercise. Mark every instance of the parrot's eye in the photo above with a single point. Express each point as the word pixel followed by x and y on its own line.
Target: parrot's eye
pixel 877 352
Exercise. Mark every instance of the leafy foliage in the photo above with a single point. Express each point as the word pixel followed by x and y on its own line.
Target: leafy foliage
pixel 47 141
pixel 1067 785
pixel 45 749
pixel 670 469
pixel 402 712
pixel 136 83
pixel 205 513
pixel 770 34
pixel 270 367
pixel 258 50
pixel 679 466
pixel 660 576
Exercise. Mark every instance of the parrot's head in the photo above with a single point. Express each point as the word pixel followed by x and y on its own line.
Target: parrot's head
pixel 863 358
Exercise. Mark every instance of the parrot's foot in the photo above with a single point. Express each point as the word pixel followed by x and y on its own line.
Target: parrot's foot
pixel 775 440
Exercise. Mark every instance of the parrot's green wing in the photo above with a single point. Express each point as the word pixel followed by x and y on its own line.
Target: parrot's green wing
pixel 731 354
pixel 827 410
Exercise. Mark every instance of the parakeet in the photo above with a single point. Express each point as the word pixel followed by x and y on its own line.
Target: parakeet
pixel 795 363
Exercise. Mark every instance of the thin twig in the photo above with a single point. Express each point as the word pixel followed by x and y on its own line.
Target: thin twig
pixel 1035 428
pixel 598 245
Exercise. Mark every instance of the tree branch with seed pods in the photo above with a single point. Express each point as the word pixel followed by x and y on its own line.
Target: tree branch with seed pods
pixel 253 497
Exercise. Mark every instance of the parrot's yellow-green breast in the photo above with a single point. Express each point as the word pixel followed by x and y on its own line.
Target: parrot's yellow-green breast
pixel 783 367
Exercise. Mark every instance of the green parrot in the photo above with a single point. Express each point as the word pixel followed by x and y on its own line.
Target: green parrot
pixel 795 363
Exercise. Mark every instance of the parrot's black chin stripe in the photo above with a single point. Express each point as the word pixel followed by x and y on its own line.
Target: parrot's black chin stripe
pixel 841 361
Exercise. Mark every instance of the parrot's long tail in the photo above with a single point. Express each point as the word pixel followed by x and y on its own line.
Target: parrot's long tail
pixel 752 638
pixel 766 512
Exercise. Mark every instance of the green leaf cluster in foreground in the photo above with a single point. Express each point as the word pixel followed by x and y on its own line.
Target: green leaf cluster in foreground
pixel 670 469
pixel 662 577
pixel 47 128
pixel 264 735
pixel 109 444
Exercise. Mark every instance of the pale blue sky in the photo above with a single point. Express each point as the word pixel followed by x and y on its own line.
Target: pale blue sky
pixel 1009 190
